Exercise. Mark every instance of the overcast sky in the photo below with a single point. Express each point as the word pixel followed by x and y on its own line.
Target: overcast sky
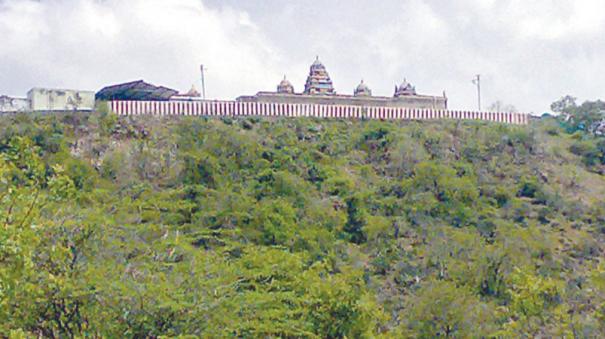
pixel 529 53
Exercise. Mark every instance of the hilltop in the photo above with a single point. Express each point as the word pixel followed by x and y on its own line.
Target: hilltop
pixel 149 226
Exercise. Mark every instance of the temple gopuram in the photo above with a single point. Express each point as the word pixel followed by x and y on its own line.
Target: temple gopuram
pixel 319 89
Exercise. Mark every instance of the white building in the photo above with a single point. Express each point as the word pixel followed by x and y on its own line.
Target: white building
pixel 10 104
pixel 44 99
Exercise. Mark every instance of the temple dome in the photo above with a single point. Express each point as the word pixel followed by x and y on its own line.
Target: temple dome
pixel 285 87
pixel 318 81
pixel 193 92
pixel 404 89
pixel 362 90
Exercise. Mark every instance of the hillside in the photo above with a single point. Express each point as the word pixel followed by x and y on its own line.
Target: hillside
pixel 146 227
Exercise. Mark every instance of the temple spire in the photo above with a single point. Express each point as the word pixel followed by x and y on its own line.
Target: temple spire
pixel 318 81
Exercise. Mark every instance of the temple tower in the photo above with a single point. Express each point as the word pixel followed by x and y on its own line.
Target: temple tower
pixel 285 87
pixel 318 81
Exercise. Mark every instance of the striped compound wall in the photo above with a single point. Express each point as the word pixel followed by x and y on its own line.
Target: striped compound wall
pixel 234 108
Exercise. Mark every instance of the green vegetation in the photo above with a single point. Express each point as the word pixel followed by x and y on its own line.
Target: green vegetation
pixel 148 227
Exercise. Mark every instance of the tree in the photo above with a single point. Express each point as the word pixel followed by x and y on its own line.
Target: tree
pixel 588 117
pixel 441 309
pixel 535 307
pixel 356 220
pixel 564 105
pixel 42 291
pixel 299 228
pixel 499 106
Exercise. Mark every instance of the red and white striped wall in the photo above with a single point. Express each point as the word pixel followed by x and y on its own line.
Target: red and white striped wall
pixel 234 108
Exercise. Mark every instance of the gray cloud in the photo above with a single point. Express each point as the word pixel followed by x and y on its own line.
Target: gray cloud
pixel 529 53
pixel 88 44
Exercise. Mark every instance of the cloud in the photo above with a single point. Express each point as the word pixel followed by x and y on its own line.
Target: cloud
pixel 529 53
pixel 90 43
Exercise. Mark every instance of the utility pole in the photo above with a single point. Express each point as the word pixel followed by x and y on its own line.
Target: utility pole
pixel 202 69
pixel 477 81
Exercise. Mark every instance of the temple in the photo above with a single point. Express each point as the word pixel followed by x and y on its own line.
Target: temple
pixel 318 81
pixel 319 89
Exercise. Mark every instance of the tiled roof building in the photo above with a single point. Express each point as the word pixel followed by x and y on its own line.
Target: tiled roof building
pixel 136 90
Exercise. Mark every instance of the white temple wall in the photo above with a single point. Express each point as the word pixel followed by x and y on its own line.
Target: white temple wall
pixel 233 108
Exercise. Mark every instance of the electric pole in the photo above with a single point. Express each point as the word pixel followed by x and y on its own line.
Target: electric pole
pixel 202 69
pixel 477 81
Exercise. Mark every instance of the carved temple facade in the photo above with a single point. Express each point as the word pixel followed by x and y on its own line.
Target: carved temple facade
pixel 319 90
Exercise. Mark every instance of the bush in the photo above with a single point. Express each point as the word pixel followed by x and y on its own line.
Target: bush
pixel 528 188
